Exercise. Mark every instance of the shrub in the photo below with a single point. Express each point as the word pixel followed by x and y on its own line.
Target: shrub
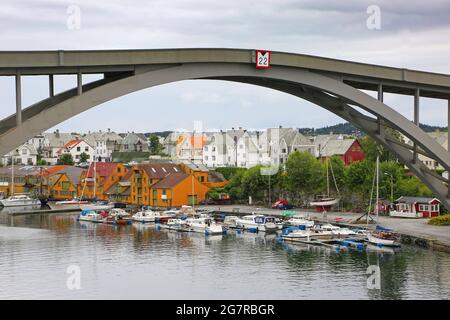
pixel 443 220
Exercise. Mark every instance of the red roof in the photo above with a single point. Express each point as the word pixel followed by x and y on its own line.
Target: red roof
pixel 104 169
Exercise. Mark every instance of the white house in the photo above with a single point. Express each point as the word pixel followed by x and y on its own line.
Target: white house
pixel 24 154
pixel 104 143
pixel 76 147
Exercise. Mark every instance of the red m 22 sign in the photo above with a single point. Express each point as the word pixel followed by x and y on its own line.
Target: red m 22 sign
pixel 262 59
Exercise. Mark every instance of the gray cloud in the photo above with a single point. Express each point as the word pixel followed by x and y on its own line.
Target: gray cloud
pixel 414 34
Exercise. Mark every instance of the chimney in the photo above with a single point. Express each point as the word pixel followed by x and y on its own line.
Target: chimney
pixel 280 126
pixel 109 129
pixel 57 133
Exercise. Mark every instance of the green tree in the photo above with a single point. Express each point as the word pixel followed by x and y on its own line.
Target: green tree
pixel 305 174
pixel 155 146
pixel 84 157
pixel 42 162
pixel 359 178
pixel 412 186
pixel 66 159
pixel 371 148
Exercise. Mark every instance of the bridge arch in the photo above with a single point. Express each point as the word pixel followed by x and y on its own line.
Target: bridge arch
pixel 321 89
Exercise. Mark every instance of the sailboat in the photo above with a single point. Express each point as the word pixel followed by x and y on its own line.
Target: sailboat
pixel 325 203
pixel 18 200
pixel 381 236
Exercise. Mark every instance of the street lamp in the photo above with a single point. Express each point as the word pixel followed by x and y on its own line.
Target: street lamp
pixel 392 186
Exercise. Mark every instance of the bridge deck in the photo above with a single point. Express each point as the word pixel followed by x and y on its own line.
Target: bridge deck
pixel 359 75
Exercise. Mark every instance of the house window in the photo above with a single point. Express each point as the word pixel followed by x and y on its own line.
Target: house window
pixel 206 158
pixel 214 158
pixel 214 149
pixel 78 148
pixel 86 149
pixel 206 148
pixel 24 151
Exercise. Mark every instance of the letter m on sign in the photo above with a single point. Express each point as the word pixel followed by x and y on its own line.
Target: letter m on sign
pixel 262 59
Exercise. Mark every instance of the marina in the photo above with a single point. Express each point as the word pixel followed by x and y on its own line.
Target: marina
pixel 112 260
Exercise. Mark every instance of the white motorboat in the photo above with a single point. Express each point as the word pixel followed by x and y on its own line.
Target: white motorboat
pixel 204 225
pixel 176 224
pixel 230 221
pixel 339 231
pixel 67 204
pixel 257 223
pixel 296 221
pixel 19 200
pixel 308 235
pixel 90 215
pixel 148 215
pixel 97 206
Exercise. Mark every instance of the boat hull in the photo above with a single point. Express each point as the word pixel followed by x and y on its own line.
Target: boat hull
pixel 383 242
pixel 22 203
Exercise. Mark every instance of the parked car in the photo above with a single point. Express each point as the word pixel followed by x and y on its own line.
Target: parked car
pixel 282 204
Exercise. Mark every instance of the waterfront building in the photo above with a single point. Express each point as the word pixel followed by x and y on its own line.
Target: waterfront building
pixel 120 190
pixel 105 175
pixel 421 207
pixel 66 183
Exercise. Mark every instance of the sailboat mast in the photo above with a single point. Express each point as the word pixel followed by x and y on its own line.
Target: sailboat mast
pixel 12 174
pixel 378 185
pixel 95 179
pixel 328 179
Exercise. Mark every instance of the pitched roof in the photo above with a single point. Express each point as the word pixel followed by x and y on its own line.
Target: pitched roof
pixel 170 180
pixel 73 173
pixel 56 140
pixel 416 199
pixel 104 169
pixel 159 170
pixel 336 147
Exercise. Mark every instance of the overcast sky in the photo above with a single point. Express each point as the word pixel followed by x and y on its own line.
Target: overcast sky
pixel 413 34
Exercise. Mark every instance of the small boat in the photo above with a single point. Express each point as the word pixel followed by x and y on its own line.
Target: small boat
pixel 147 215
pixel 308 235
pixel 176 224
pixel 383 237
pixel 19 200
pixel 334 229
pixel 230 221
pixel 257 223
pixel 324 204
pixel 204 225
pixel 118 216
pixel 91 215
pixel 99 205
pixel 300 220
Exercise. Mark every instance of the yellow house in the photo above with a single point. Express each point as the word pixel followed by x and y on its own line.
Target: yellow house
pixel 106 174
pixel 178 189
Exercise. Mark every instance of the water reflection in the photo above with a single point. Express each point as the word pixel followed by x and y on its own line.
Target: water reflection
pixel 144 261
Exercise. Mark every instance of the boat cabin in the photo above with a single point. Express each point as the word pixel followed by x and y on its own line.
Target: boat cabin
pixel 418 207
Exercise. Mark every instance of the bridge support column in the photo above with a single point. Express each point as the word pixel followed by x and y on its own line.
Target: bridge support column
pixel 416 118
pixel 79 83
pixel 448 145
pixel 18 100
pixel 51 86
pixel 380 98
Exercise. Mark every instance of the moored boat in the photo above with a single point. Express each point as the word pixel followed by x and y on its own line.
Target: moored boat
pixel 99 205
pixel 19 200
pixel 204 225
pixel 91 216
pixel 67 204
pixel 300 220
pixel 257 223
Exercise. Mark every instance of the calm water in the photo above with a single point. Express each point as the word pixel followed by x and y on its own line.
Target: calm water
pixel 142 262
